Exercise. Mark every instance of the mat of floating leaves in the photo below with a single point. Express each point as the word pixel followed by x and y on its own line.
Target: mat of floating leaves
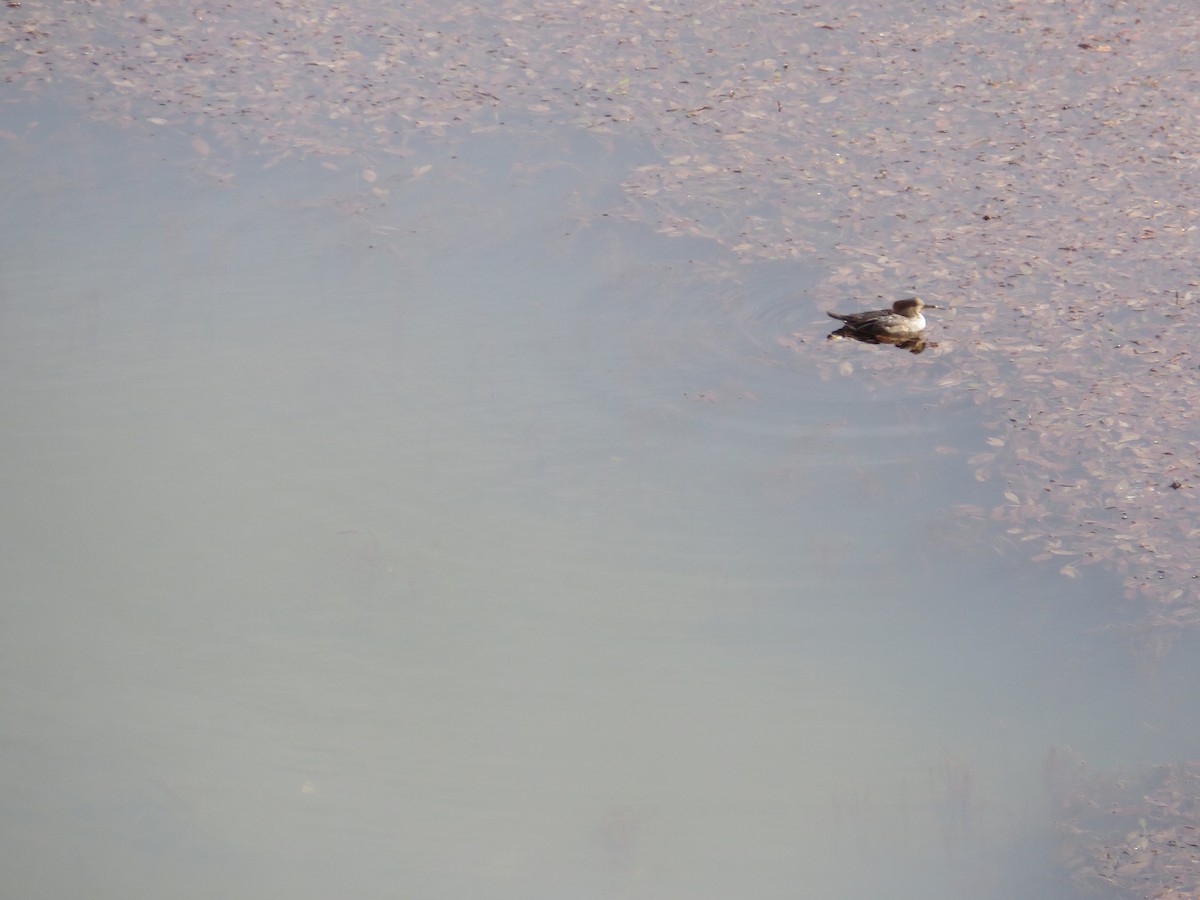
pixel 1142 838
pixel 1034 172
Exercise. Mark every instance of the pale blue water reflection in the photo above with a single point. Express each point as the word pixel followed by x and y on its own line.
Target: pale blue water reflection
pixel 474 546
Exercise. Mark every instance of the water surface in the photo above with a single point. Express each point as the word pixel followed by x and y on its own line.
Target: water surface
pixel 480 541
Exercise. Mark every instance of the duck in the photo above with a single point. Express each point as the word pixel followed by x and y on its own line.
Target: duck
pixel 904 319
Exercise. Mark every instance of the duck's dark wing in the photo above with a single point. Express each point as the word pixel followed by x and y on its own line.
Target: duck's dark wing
pixel 861 318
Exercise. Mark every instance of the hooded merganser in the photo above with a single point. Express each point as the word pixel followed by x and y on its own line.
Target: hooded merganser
pixel 904 319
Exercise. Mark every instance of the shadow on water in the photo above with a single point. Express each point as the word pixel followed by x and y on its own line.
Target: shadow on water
pixel 482 543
